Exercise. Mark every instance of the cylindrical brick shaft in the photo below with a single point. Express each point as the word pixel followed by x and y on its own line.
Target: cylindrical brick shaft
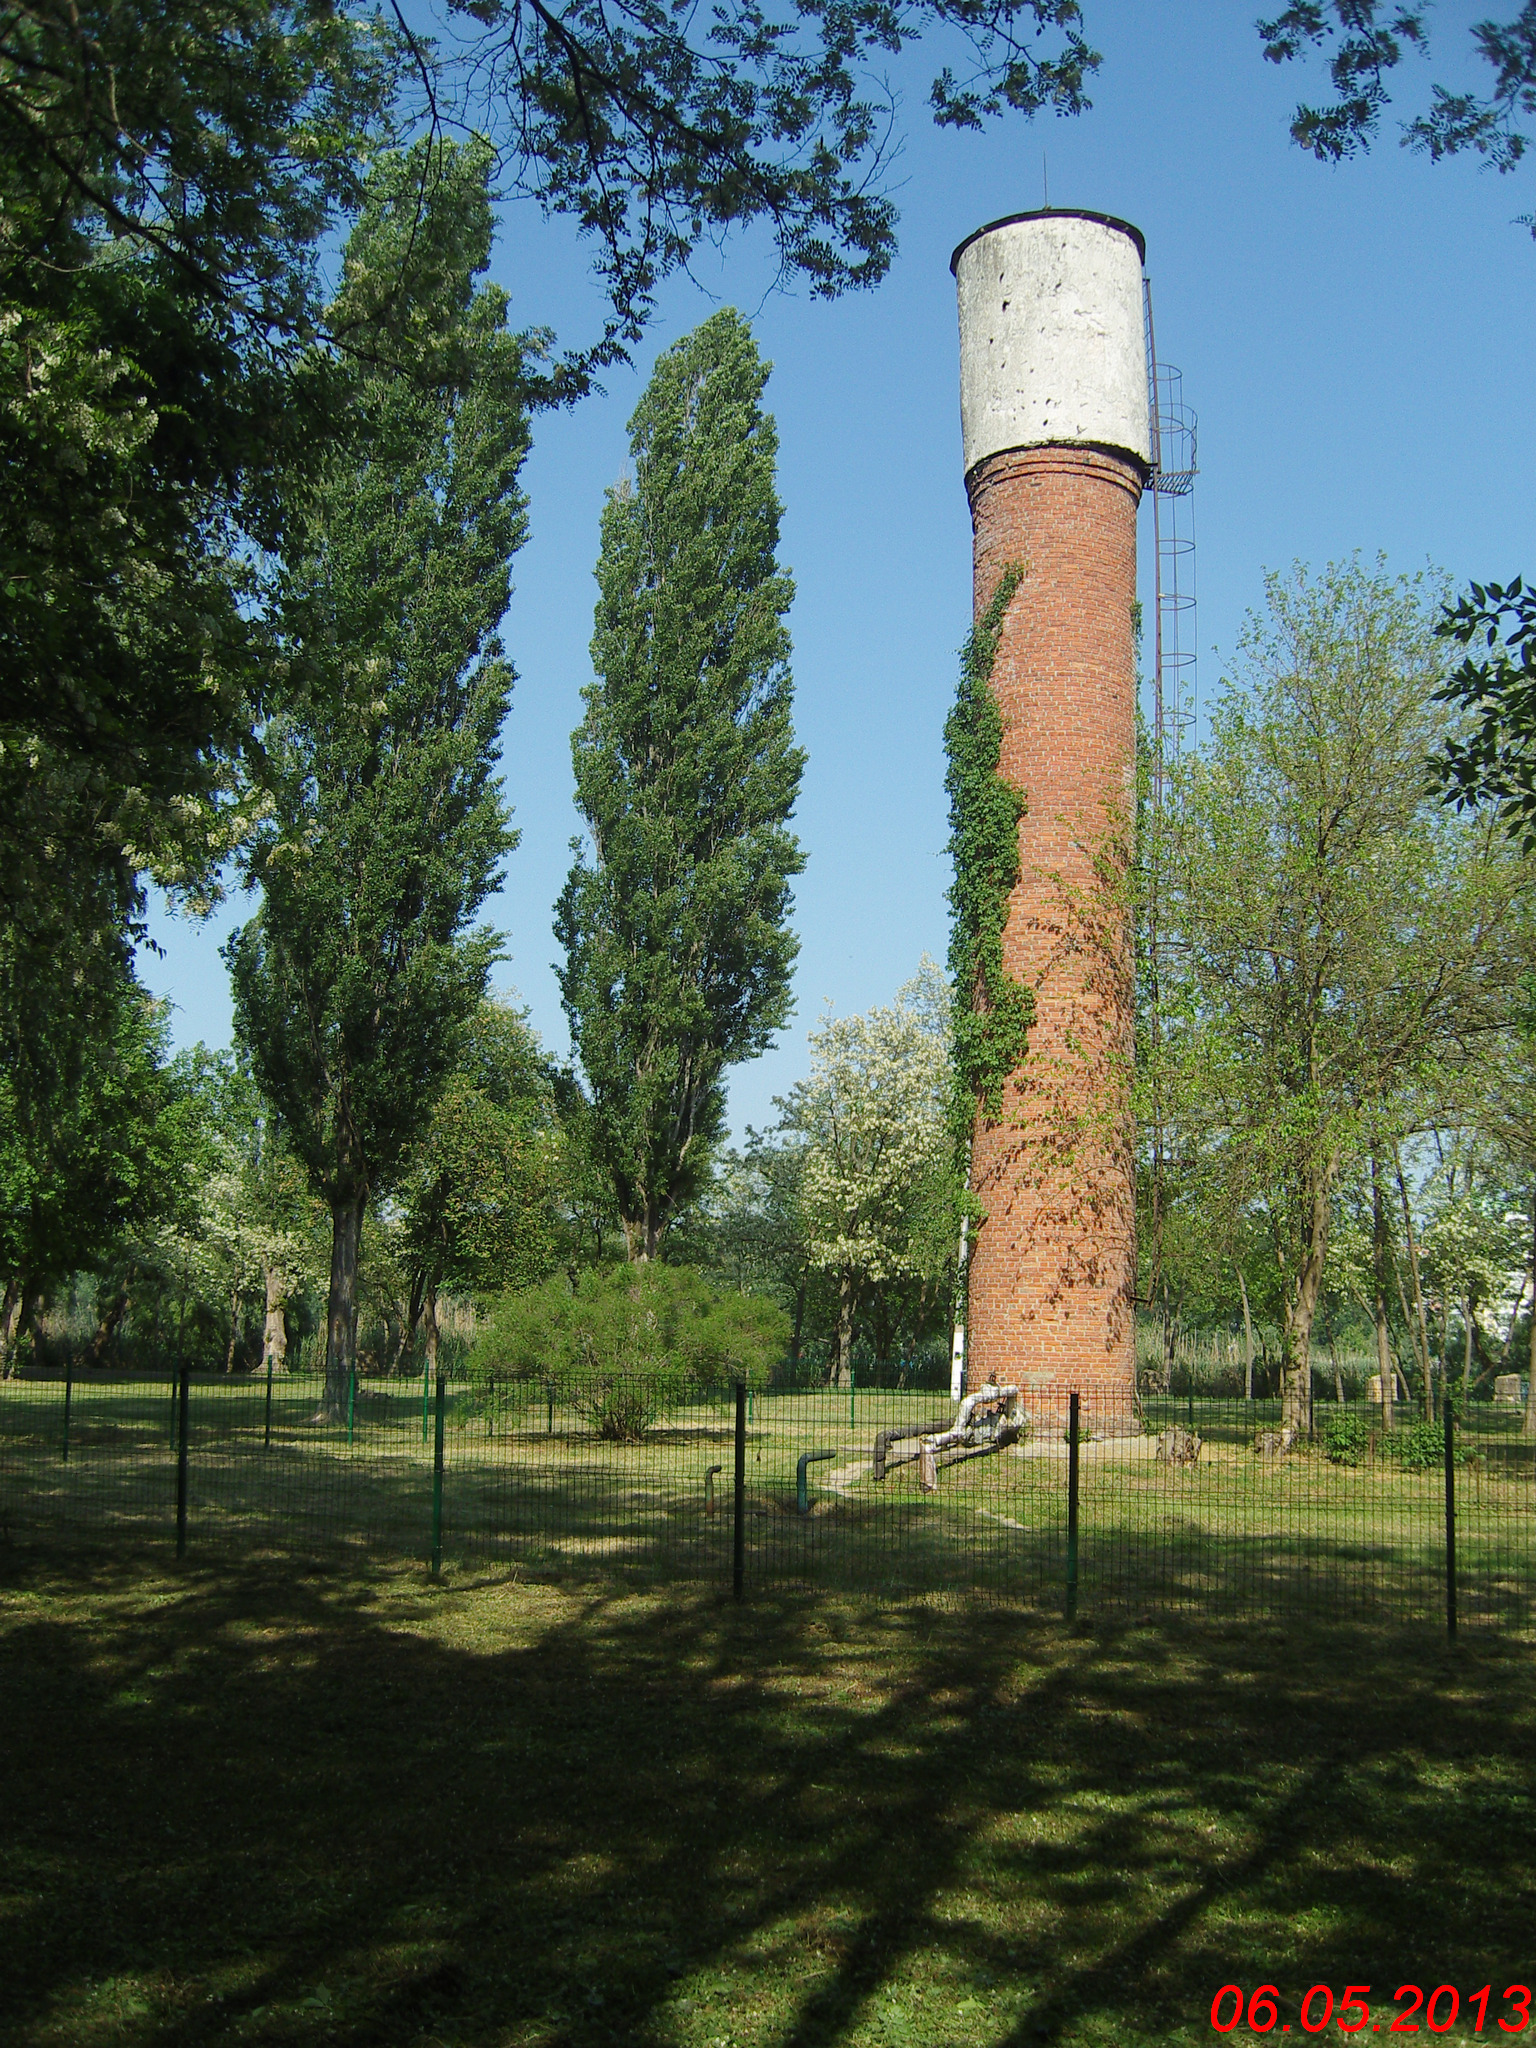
pixel 1057 445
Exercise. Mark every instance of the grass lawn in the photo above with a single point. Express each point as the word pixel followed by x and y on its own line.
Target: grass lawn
pixel 535 1487
pixel 271 1803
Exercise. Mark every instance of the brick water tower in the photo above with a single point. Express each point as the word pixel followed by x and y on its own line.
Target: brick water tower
pixel 1053 398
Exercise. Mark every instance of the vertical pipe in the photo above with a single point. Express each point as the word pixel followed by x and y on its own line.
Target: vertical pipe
pixel 1074 1404
pixel 739 1530
pixel 267 1436
pixel 437 1477
pixel 69 1387
pixel 181 1463
pixel 1450 1518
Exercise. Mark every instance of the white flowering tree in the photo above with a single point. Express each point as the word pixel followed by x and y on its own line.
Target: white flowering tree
pixel 872 1115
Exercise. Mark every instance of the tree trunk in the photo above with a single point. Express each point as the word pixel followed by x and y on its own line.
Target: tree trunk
pixel 1298 1307
pixel 341 1311
pixel 1466 1355
pixel 413 1317
pixel 10 1319
pixel 274 1334
pixel 1418 1290
pixel 799 1323
pixel 1379 1253
pixel 106 1326
pixel 1242 1288
pixel 429 1323
pixel 234 1330
pixel 842 1349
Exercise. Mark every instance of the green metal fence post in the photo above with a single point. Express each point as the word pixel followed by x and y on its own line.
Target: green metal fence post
pixel 437 1477
pixel 183 1392
pixel 267 1439
pixel 1450 1518
pixel 739 1531
pixel 1073 1412
pixel 69 1387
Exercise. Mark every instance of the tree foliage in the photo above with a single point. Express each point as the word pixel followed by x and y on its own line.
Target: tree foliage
pixel 1366 39
pixel 478 1193
pixel 386 831
pixel 878 1191
pixel 626 1343
pixel 167 175
pixel 657 130
pixel 677 948
pixel 1332 931
pixel 1492 760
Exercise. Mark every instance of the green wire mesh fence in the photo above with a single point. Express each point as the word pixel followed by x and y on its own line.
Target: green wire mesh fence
pixel 1189 1504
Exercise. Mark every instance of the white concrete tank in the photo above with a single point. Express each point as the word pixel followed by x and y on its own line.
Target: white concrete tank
pixel 1052 342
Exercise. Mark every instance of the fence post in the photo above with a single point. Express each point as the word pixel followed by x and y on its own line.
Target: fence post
pixel 739 1528
pixel 437 1477
pixel 1450 1519
pixel 267 1439
pixel 69 1387
pixel 181 1462
pixel 1074 1402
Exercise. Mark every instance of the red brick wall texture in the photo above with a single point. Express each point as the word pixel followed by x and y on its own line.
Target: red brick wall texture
pixel 1052 1276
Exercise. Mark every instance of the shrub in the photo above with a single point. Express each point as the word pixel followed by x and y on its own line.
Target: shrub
pixel 1419 1448
pixel 1346 1437
pixel 627 1343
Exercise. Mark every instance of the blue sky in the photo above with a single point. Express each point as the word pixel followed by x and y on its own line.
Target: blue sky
pixel 1357 344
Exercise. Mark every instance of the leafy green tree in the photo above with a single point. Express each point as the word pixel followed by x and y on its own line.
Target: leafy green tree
pixel 478 1194
pixel 167 175
pixel 91 1146
pixel 1492 759
pixel 627 1343
pixel 356 979
pixel 677 948
pixel 1332 928
pixel 1367 39
pixel 879 1193
pixel 656 131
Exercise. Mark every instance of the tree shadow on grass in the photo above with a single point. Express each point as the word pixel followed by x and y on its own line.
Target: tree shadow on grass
pixel 274 1804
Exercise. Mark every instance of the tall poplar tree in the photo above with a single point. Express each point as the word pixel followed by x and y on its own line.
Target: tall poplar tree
pixel 677 948
pixel 359 974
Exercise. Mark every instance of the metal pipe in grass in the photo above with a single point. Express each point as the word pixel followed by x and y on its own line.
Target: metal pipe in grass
pixel 183 1396
pixel 1450 1519
pixel 69 1387
pixel 709 1488
pixel 739 1531
pixel 1074 1409
pixel 802 1490
pixel 437 1477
